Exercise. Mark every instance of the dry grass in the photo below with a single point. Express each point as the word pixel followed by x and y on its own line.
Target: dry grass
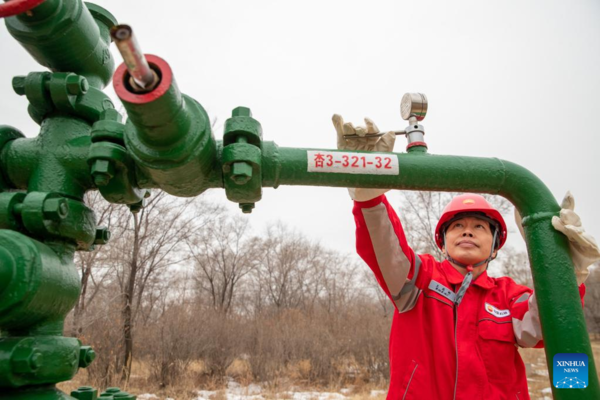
pixel 294 378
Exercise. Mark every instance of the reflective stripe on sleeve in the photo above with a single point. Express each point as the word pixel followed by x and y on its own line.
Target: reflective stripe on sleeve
pixel 393 263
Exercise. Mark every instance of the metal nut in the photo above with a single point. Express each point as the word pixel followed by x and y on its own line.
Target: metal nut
pixel 241 172
pixel 102 236
pixel 241 112
pixel 18 84
pixel 77 85
pixel 102 171
pixel 26 360
pixel 246 207
pixel 55 209
pixel 86 356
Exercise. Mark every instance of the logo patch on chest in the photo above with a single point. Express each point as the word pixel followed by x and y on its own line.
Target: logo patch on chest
pixel 496 312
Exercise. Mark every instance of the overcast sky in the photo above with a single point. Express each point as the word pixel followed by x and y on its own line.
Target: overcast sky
pixel 516 80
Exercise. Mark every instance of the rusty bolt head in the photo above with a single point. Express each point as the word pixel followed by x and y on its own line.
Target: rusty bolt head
pixel 86 356
pixel 77 85
pixel 18 84
pixel 241 172
pixel 26 360
pixel 102 236
pixel 55 209
pixel 241 112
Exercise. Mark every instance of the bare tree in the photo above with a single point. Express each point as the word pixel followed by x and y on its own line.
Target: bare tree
pixel 292 269
pixel 224 253
pixel 150 245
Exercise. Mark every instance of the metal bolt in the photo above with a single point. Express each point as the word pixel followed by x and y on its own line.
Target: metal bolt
pixel 55 209
pixel 86 356
pixel 77 85
pixel 112 390
pixel 246 207
pixel 102 171
pixel 102 236
pixel 18 84
pixel 241 172
pixel 241 112
pixel 26 360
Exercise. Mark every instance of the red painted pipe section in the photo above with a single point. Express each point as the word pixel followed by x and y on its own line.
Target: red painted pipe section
pixel 15 7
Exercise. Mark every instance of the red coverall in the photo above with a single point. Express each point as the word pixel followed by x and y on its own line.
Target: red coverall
pixel 438 349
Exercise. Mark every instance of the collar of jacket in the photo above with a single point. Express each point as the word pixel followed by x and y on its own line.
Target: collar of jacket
pixel 456 278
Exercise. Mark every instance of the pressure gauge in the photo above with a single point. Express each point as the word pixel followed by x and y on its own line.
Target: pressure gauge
pixel 413 105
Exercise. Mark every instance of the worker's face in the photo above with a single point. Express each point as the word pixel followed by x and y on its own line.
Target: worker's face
pixel 469 240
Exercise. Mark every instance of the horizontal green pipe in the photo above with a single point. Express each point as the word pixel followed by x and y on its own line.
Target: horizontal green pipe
pixel 563 323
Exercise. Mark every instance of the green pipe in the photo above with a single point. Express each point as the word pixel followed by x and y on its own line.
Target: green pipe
pixel 563 323
pixel 68 36
pixel 168 134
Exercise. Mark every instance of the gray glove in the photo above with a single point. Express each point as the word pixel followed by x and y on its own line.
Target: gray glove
pixel 383 143
pixel 584 249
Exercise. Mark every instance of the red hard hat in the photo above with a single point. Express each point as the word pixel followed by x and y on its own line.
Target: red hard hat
pixel 469 203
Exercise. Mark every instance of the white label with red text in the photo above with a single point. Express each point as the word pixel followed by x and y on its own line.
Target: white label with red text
pixel 352 163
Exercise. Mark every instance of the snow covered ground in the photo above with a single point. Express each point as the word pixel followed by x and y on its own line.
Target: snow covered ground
pixel 235 391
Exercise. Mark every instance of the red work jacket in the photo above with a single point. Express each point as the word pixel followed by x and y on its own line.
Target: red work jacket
pixel 438 349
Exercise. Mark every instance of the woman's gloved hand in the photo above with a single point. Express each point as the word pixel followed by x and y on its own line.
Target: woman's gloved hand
pixel 365 142
pixel 584 249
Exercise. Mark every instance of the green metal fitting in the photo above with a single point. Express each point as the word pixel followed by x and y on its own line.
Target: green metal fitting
pixel 86 356
pixel 85 393
pixel 242 159
pixel 241 123
pixel 66 36
pixel 47 215
pixel 168 134
pixel 61 91
pixel 55 161
pixel 7 133
pixel 37 360
pixel 112 167
pixel 55 209
pixel 29 301
pixel 11 208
